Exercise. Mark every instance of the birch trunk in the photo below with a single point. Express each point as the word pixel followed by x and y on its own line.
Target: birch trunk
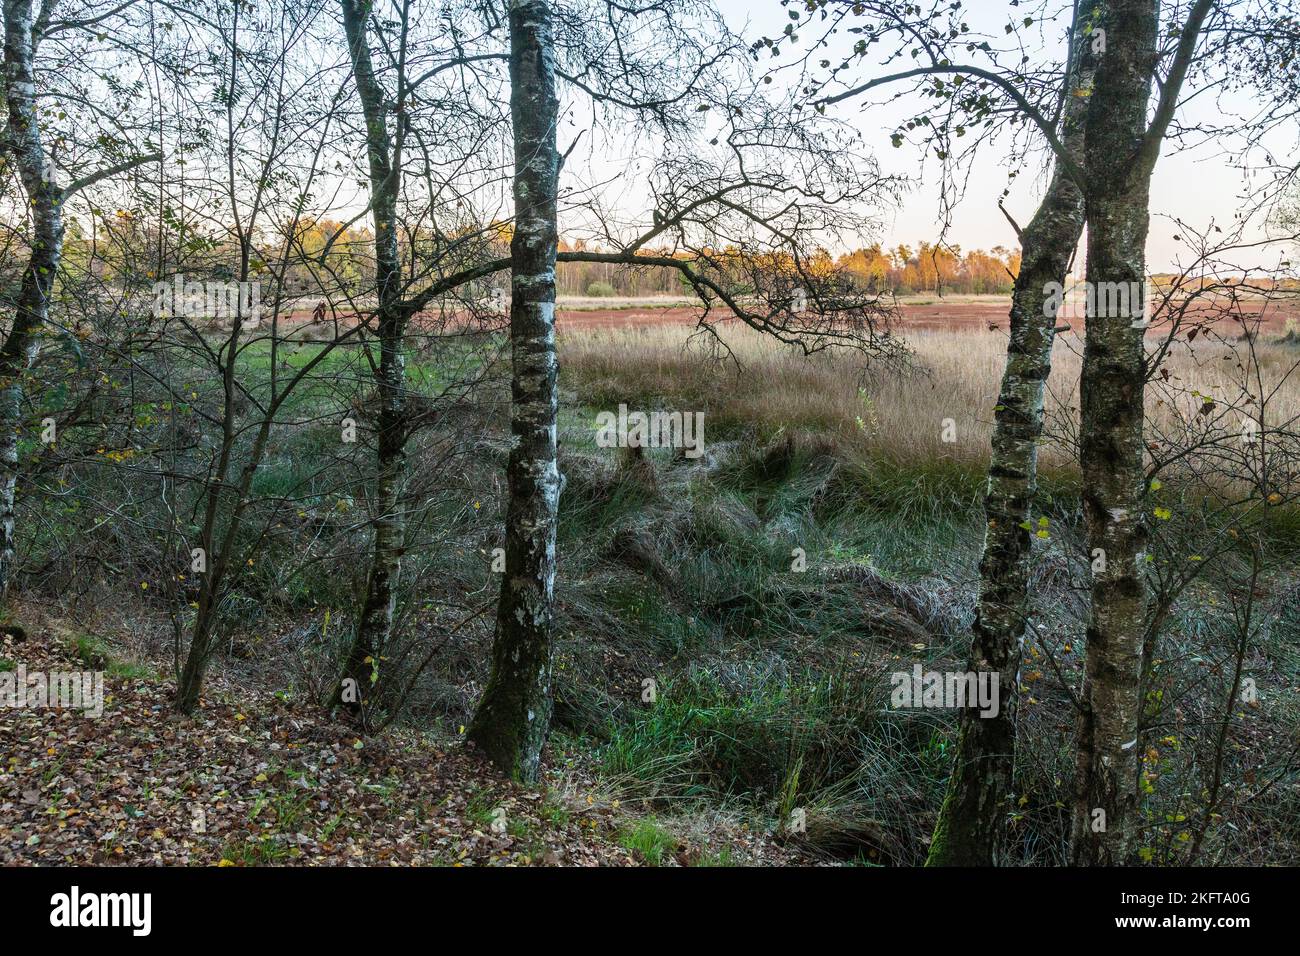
pixel 514 714
pixel 971 825
pixel 1111 440
pixel 31 310
pixel 380 606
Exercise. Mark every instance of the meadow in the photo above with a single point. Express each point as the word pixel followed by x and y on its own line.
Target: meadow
pixel 743 378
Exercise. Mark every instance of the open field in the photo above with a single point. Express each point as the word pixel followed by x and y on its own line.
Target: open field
pixel 974 312
pixel 916 313
pixel 920 313
pixel 955 375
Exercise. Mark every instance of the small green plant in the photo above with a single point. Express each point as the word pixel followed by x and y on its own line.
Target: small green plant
pixel 290 808
pixel 555 813
pixel 601 290
pixel 479 809
pixel 867 422
pixel 257 852
pixel 789 793
pixel 388 788
pixel 331 826
pixel 649 841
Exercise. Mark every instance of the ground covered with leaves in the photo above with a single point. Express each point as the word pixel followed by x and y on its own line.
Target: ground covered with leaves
pixel 273 781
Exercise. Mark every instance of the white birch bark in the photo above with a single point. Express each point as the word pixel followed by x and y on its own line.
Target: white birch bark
pixel 513 717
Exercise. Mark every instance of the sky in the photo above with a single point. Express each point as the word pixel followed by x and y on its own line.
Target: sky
pixel 1198 185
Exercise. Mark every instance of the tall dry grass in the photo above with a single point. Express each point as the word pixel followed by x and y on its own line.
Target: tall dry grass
pixel 949 392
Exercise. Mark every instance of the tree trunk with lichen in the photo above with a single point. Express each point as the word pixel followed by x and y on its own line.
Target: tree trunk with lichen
pixel 972 822
pixel 379 607
pixel 31 309
pixel 514 714
pixel 1111 439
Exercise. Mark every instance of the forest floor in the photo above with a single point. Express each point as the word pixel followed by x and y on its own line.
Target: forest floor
pixel 256 779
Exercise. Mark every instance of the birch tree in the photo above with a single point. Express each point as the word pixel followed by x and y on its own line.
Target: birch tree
pixel 46 200
pixel 1121 152
pixel 383 158
pixel 514 713
pixel 412 130
pixel 1105 152
pixel 653 69
pixel 972 821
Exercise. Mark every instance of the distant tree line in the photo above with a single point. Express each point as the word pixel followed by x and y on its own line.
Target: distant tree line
pixel 903 270
pixel 347 252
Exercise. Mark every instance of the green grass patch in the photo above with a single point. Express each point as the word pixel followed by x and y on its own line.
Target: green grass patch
pixel 95 653
pixel 651 842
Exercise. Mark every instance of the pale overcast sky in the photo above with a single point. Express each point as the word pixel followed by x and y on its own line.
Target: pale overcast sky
pixel 1197 186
